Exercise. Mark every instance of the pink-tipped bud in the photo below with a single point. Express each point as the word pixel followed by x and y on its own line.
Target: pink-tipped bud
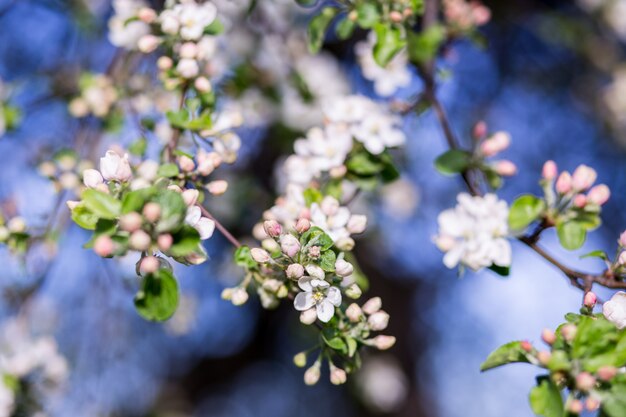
pixel 592 404
pixel 217 187
pixel 186 163
pixel 357 224
pixel 343 268
pixel 152 212
pixel 480 130
pixel 149 265
pixel 272 228
pixel 295 271
pixel 569 331
pixel 580 200
pixel 383 342
pixel 188 50
pixel 139 240
pixel 190 197
pixel 312 375
pixel 378 321
pixel 260 255
pixel 590 299
pixel 583 177
pixel 396 16
pixel 372 305
pixel 202 84
pixel 606 373
pixel 505 168
pixel 599 194
pixel 564 183
pixel 585 381
pixel 308 316
pixel 148 43
pixel 575 407
pixel 497 143
pixel 354 313
pixel 337 375
pixel 131 222
pixel 146 15
pixel 526 346
pixel 622 239
pixel 164 63
pixel 303 225
pixel 164 242
pixel 103 246
pixel 548 336
pixel 544 357
pixel 290 245
pixel 315 252
pixel 549 171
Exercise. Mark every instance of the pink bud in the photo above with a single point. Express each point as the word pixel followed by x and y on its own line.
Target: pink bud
pixel 396 16
pixel 302 225
pixel 295 271
pixel 580 200
pixel 481 14
pixel 148 43
pixel 575 407
pixel 590 299
pixel 544 357
pixel 564 183
pixel 526 346
pixel 164 242
pixel 357 223
pixel 190 197
pixel 260 255
pixel 131 222
pixel 354 313
pixel 480 130
pixel 103 246
pixel 495 144
pixel 505 168
pixel 315 252
pixel 289 245
pixel 549 171
pixel 585 381
pixel 149 265
pixel 337 375
pixel 272 228
pixel 383 342
pixel 146 15
pixel 139 240
pixel 372 305
pixel 622 239
pixel 583 177
pixel 592 404
pixel 164 63
pixel 186 163
pixel 599 194
pixel 218 187
pixel 548 336
pixel 202 84
pixel 606 373
pixel 569 331
pixel 152 212
pixel 188 50
pixel 378 321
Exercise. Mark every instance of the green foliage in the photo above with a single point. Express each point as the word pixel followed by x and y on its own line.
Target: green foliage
pixel 168 170
pixel 316 237
pixel 244 259
pixel 158 298
pixel 505 354
pixel 102 205
pixel 312 195
pixel 545 399
pixel 389 41
pixel 525 210
pixel 422 47
pixel 186 241
pixel 369 170
pixel 572 234
pixel 83 217
pixel 453 162
pixel 173 210
pixel 318 26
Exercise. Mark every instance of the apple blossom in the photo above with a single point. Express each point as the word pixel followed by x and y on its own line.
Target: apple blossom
pixel 599 194
pixel 319 294
pixel 354 313
pixel 378 321
pixel 372 305
pixel 260 255
pixel 548 336
pixel 188 68
pixel 115 167
pixel 590 299
pixel 505 168
pixel 564 183
pixel 383 342
pixel 152 212
pixel 343 268
pixel 295 271
pixel 103 246
pixel 149 264
pixel 585 381
pixel 615 309
pixel 272 228
pixel 92 178
pixel 139 240
pixel 239 296
pixel 583 177
pixel 549 171
pixel 131 221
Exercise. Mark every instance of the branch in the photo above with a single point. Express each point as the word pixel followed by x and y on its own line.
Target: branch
pixel 220 227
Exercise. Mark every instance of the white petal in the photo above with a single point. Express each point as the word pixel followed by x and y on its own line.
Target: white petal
pixel 193 215
pixel 316 283
pixel 325 311
pixel 334 296
pixel 304 301
pixel 305 284
pixel 205 227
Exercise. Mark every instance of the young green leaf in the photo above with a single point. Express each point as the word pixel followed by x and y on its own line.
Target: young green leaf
pixel 101 204
pixel 389 42
pixel 571 234
pixel 510 353
pixel 158 298
pixel 546 400
pixel 525 210
pixel 318 26
pixel 453 162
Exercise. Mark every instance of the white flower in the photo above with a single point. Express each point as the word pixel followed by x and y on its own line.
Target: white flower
pixel 615 309
pixel 188 68
pixel 330 217
pixel 320 294
pixel 125 33
pixel 92 178
pixel 194 18
pixel 387 80
pixel 114 167
pixel 474 233
pixel 203 225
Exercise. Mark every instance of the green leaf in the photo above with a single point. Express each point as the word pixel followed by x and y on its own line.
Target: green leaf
pixel 367 15
pixel 614 402
pixel 501 270
pixel 327 261
pixel 364 164
pixel 337 344
pixel 215 28
pixel 168 170
pixel 102 205
pixel 312 195
pixel 178 119
pixel 525 210
pixel 316 237
pixel 352 346
pixel 173 210
pixel 546 400
pixel 138 147
pixel 423 47
pixel 135 200
pixel 345 28
pixel 571 234
pixel 596 254
pixel 318 26
pixel 158 298
pixel 243 258
pixel 453 162
pixel 510 353
pixel 186 240
pixel 83 217
pixel 559 361
pixel 389 42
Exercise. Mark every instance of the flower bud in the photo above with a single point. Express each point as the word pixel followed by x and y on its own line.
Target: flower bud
pixel 549 171
pixel 270 245
pixel 71 204
pixel 188 50
pixel 271 285
pixel 396 16
pixel 190 197
pixel 139 240
pixel 239 296
pixel 149 265
pixel 152 212
pixel 146 15
pixel 505 168
pixel 338 172
pixel 526 346
pixel 302 225
pixel 131 222
pixel 353 291
pixel 564 183
pixel 622 239
pixel 290 245
pixel 354 313
pixel 480 130
pixel 308 316
pixel 585 381
pixel 372 305
pixel 227 294
pixel 164 242
pixel 583 177
pixel 92 178
pixel 295 271
pixel 115 167
pixel 148 43
pixel 343 268
pixel 345 244
pixel 315 271
pixel 383 342
pixel 78 107
pixel 592 404
pixel 497 143
pixel 590 299
pixel 103 246
pixel 357 224
pixel 544 357
pixel 258 232
pixel 17 225
pixel 4 234
pixel 378 321
pixel 217 187
pixel 272 228
pixel 260 255
pixel 164 63
pixel 187 68
pixel 621 259
pixel 606 373
pixel 186 163
pixel 312 375
pixel 300 360
pixel 599 194
pixel 337 375
pixel 575 407
pixel 569 331
pixel 203 85
pixel 548 336
pixel 580 200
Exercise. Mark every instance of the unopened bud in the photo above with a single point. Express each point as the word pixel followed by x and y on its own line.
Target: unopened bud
pixel 103 246
pixel 354 313
pixel 590 300
pixel 592 404
pixel 549 171
pixel 188 50
pixel 186 163
pixel 315 252
pixel 357 224
pixel 131 222
pixel 308 316
pixel 148 43
pixel 239 296
pixel 564 183
pixel 272 228
pixel 505 168
pixel 164 63
pixel 606 373
pixel 585 381
pixel 295 271
pixel 372 305
pixel 337 375
pixel 202 84
pixel 343 268
pixel 17 225
pixel 583 177
pixel 622 239
pixel 599 194
pixel 149 265
pixel 526 346
pixel 270 245
pixel 227 294
pixel 139 240
pixel 315 271
pixel 548 336
pixel 480 130
pixel 190 197
pixel 345 244
pixel 164 242
pixel 580 200
pixel 303 225
pixel 378 321
pixel 312 375
pixel 217 187
pixel 300 360
pixel 396 16
pixel 354 291
pixel 338 172
pixel 146 15
pixel 569 331
pixel 152 212
pixel 544 357
pixel 575 407
pixel 384 342
pixel 290 245
pixel 260 255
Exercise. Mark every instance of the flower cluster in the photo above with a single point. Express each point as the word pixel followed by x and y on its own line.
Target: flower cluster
pixel 29 366
pixel 14 233
pixel 97 96
pixel 64 170
pixel 474 233
pixel 465 15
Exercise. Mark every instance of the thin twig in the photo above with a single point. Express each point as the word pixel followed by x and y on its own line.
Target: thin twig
pixel 221 227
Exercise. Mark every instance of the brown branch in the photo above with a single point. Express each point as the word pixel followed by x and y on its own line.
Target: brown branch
pixel 221 227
